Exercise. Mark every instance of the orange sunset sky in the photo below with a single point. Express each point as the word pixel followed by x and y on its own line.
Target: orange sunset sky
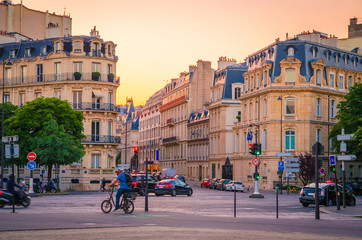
pixel 158 39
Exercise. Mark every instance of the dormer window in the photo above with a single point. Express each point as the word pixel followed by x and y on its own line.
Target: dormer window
pixel 109 50
pixel 44 50
pixel 328 55
pixel 12 53
pixel 291 51
pixel 314 52
pixel 27 52
pixel 77 47
pixel 96 50
pixel 318 77
pixel 57 47
pixel 355 61
pixel 337 57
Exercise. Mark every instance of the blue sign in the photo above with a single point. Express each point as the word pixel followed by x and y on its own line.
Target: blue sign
pixel 280 165
pixel 332 160
pixel 322 171
pixel 250 137
pixel 157 155
pixel 42 171
pixel 31 165
pixel 63 171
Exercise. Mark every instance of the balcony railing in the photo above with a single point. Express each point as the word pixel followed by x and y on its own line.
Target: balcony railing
pixel 170 140
pixel 101 139
pixel 41 78
pixel 93 106
pixel 170 121
pixel 97 53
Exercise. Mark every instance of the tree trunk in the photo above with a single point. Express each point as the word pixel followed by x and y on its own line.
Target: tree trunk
pixel 50 169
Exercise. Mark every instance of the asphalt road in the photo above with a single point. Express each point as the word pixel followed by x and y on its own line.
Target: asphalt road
pixel 206 214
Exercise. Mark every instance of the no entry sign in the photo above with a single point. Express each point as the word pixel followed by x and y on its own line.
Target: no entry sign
pixel 31 156
pixel 255 162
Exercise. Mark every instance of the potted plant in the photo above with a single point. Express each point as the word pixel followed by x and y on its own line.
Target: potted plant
pixel 110 77
pixel 77 75
pixel 238 118
pixel 95 76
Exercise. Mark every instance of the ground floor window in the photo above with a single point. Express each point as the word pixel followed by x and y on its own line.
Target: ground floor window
pixel 96 160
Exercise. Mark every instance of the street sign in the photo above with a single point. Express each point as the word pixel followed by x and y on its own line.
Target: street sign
pixel 7 139
pixel 157 155
pixel 343 147
pixel 280 165
pixel 31 165
pixel 8 151
pixel 255 162
pixel 123 166
pixel 345 137
pixel 291 165
pixel 43 171
pixel 332 160
pixel 249 137
pixel 346 157
pixel 293 170
pixel 291 159
pixel 282 154
pixel 31 156
pixel 322 171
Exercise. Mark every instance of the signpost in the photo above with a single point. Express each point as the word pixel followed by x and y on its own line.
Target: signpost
pixel 280 171
pixel 322 170
pixel 31 157
pixel 282 154
pixel 291 167
pixel 256 162
pixel 332 160
pixel 12 151
pixel 280 166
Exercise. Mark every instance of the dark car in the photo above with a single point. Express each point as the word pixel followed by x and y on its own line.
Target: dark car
pixel 222 184
pixel 354 188
pixel 213 183
pixel 327 195
pixel 182 178
pixel 139 183
pixel 172 187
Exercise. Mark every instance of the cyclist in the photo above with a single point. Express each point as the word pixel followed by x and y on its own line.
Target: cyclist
pixel 122 185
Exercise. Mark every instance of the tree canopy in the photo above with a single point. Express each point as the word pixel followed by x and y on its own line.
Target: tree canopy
pixel 47 115
pixel 350 119
pixel 306 168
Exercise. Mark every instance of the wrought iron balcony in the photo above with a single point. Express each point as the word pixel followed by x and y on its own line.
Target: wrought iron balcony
pixel 170 121
pixel 93 106
pixel 101 139
pixel 97 53
pixel 170 140
pixel 59 77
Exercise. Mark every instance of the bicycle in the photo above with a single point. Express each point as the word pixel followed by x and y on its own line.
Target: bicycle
pixel 292 189
pixel 126 203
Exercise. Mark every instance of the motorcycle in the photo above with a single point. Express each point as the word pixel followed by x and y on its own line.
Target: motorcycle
pixel 51 187
pixel 39 187
pixel 22 198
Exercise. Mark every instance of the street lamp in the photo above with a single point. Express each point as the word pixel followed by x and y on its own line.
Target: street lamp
pixel 7 63
pixel 281 139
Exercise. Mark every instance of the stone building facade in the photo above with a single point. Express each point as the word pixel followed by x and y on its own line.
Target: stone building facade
pixel 66 68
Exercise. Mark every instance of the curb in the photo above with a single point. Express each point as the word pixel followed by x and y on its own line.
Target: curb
pixel 324 210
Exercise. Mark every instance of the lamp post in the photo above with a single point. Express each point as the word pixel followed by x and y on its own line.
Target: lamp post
pixel 7 63
pixel 281 139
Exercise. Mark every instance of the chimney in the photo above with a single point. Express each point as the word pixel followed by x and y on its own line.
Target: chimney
pixel 94 32
pixel 192 68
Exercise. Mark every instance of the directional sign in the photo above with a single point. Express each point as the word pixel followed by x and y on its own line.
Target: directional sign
pixel 291 159
pixel 343 147
pixel 291 165
pixel 31 165
pixel 346 157
pixel 31 156
pixel 283 154
pixel 249 137
pixel 280 165
pixel 322 171
pixel 8 151
pixel 293 170
pixel 255 162
pixel 345 137
pixel 332 160
pixel 43 171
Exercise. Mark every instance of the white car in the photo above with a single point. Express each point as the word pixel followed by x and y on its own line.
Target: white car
pixel 232 184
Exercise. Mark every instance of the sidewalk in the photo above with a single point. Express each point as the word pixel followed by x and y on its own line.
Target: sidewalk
pixel 355 211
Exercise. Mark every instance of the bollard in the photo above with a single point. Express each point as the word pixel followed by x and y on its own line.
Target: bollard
pixel 234 200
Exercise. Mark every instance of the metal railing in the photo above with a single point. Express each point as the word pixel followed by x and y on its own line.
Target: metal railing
pixel 101 139
pixel 41 78
pixel 169 140
pixel 97 53
pixel 93 106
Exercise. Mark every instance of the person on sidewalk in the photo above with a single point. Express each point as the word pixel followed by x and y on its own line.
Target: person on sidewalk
pixel 103 184
pixel 123 186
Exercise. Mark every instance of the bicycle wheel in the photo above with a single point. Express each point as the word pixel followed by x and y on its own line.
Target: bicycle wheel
pixel 106 206
pixel 128 207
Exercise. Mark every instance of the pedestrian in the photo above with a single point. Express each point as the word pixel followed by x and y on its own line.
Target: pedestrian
pixel 123 186
pixel 103 184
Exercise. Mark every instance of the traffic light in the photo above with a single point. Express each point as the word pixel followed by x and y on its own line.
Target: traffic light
pixel 257 147
pixel 252 149
pixel 136 148
pixel 333 169
pixel 256 176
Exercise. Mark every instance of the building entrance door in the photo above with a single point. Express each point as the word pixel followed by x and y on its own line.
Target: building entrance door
pixel 227 170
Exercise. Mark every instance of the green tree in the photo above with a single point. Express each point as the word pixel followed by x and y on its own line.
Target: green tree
pixel 53 146
pixel 119 157
pixel 350 118
pixel 30 120
pixel 306 168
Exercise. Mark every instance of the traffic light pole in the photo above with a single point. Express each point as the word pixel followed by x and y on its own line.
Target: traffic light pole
pixel 257 152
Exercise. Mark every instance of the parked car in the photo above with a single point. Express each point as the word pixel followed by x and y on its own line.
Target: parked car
pixel 213 183
pixel 205 183
pixel 182 178
pixel 232 184
pixel 172 187
pixel 354 188
pixel 167 173
pixel 221 184
pixel 139 186
pixel 327 195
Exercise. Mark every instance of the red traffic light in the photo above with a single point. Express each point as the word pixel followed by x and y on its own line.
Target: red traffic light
pixel 136 148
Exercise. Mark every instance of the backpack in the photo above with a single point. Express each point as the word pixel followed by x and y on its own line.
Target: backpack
pixel 129 180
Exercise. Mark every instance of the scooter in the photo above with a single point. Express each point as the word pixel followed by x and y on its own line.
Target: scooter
pixel 23 198
pixel 51 187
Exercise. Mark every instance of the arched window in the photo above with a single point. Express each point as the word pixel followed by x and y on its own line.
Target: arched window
pixel 77 46
pixel 290 51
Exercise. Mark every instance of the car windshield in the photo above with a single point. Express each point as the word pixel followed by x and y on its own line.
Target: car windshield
pixel 239 183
